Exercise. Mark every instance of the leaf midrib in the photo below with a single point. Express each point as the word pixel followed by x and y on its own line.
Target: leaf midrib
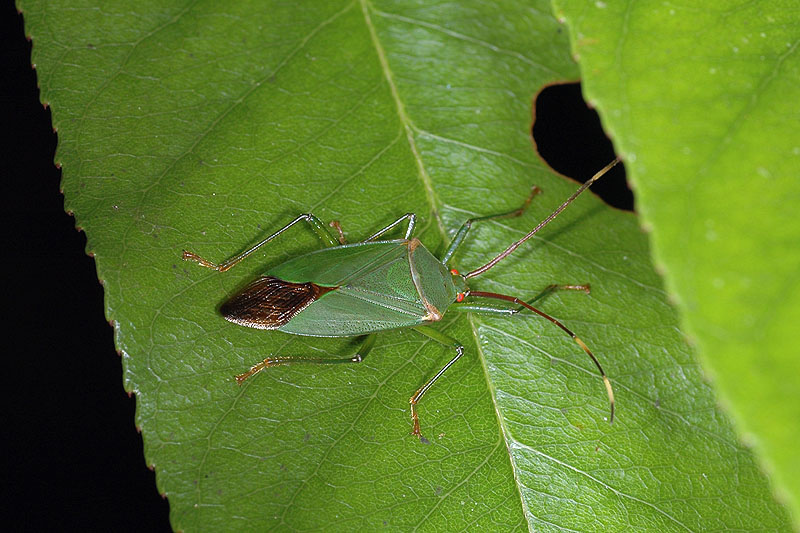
pixel 431 197
pixel 405 121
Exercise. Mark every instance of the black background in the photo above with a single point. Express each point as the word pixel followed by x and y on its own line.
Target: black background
pixel 75 459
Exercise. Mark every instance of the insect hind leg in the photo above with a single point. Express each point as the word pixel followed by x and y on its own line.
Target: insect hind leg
pixel 359 356
pixel 315 223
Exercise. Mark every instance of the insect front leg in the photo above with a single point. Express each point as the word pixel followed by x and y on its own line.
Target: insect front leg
pixel 360 355
pixel 473 307
pixel 513 299
pixel 316 224
pixel 447 341
pixel 465 227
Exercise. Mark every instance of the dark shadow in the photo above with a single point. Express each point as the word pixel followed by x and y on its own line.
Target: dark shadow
pixel 74 458
pixel 568 136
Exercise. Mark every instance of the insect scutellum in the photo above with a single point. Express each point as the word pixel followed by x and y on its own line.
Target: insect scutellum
pixel 363 288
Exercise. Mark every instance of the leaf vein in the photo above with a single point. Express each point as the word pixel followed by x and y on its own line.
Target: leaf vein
pixel 516 445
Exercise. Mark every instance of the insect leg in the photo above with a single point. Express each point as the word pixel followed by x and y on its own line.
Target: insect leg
pixel 565 329
pixel 464 229
pixel 472 307
pixel 447 341
pixel 360 355
pixel 412 219
pixel 315 223
pixel 335 224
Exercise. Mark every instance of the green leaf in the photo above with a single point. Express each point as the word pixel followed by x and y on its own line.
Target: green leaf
pixel 202 126
pixel 703 103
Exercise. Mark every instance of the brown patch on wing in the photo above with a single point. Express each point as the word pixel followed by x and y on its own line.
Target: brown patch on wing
pixel 269 303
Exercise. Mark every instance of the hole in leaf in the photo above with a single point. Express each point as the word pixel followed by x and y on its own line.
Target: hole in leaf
pixel 570 139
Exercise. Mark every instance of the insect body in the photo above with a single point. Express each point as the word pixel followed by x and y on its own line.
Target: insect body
pixel 356 289
pixel 364 288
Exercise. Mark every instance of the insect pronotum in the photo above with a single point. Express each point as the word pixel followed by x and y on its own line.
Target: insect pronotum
pixel 364 288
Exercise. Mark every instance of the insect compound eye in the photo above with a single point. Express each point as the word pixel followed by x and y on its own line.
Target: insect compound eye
pixel 460 297
pixel 454 272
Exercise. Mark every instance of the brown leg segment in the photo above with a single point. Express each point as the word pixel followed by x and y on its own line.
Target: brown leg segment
pixel 338 227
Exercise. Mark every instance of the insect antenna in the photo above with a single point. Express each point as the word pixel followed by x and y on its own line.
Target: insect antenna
pixel 543 223
pixel 586 349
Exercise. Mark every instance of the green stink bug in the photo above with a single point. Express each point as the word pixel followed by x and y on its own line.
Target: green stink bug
pixel 364 288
